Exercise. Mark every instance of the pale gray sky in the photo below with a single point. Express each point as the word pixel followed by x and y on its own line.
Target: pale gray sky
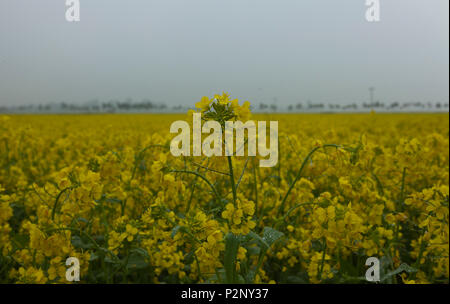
pixel 176 51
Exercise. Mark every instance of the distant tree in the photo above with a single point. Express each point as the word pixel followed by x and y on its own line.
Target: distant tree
pixel 394 105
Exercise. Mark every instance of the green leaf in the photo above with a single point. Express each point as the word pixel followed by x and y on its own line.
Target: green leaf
pixel 253 250
pixel 107 259
pixel 189 258
pixel 140 251
pixel 231 248
pixel 270 235
pixel 220 275
pixel 403 267
pixel 78 242
pixel 296 280
pixel 261 242
pixel 93 257
pixel 136 261
pixel 20 240
pixel 82 219
pixel 240 279
pixel 176 229
pixel 113 200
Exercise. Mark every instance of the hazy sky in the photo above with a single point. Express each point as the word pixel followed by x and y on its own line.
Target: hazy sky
pixel 176 51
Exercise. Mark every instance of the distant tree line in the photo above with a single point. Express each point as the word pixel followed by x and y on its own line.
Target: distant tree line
pixel 147 105
pixel 93 106
pixel 334 107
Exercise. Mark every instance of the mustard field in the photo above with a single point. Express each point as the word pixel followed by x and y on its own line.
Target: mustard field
pixel 106 190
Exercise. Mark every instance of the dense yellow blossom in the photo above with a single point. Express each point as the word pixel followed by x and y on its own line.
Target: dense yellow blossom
pixel 105 189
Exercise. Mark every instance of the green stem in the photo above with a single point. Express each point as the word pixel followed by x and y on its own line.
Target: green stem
pixel 299 173
pixel 192 195
pixel 323 261
pixel 56 201
pixel 233 186
pixel 203 178
pixel 295 207
pixel 279 164
pixel 140 156
pixel 258 266
pixel 256 186
pixel 402 190
pixel 242 173
pixel 399 208
pixel 419 257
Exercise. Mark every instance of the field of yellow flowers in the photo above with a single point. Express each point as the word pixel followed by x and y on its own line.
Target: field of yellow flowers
pixel 106 190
